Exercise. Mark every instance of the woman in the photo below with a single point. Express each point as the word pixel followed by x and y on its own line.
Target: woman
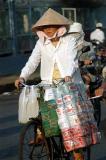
pixel 58 56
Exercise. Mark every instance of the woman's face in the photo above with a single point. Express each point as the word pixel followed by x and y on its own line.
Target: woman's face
pixel 50 30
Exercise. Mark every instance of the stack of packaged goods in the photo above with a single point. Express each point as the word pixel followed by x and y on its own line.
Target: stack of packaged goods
pixel 75 117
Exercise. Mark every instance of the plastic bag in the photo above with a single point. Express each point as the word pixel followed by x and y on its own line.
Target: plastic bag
pixel 28 104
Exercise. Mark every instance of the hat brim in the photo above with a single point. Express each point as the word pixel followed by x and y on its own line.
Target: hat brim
pixel 35 29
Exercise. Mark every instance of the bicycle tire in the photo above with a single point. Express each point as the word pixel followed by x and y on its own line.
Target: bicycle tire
pixel 33 151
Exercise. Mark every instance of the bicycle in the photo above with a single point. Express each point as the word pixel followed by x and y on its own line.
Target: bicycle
pixel 51 148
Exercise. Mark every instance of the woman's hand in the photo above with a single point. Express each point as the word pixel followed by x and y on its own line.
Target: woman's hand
pixel 19 81
pixel 68 79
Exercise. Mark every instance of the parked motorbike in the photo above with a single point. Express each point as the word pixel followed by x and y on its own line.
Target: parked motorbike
pixel 92 76
pixel 100 50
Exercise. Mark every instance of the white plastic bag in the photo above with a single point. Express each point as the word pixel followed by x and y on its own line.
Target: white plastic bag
pixel 28 104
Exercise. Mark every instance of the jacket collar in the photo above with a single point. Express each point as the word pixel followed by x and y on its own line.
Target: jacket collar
pixel 47 41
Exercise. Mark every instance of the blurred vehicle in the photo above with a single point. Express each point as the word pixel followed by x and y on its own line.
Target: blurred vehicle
pixel 92 77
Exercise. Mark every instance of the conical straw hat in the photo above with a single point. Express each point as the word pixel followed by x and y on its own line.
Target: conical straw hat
pixel 51 17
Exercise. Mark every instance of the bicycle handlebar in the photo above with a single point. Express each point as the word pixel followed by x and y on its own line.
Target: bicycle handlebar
pixel 36 86
pixel 54 84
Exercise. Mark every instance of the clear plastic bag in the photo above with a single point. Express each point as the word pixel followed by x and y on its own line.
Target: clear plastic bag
pixel 28 104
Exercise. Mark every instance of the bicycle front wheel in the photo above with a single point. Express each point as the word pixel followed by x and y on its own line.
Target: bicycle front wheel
pixel 29 149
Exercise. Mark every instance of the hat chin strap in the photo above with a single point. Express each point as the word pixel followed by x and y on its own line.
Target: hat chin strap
pixel 60 32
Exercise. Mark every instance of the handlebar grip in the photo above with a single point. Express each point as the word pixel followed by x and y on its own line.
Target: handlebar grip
pixel 21 85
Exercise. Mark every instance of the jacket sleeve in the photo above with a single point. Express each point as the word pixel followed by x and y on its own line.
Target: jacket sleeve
pixel 73 56
pixel 32 62
pixel 68 59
